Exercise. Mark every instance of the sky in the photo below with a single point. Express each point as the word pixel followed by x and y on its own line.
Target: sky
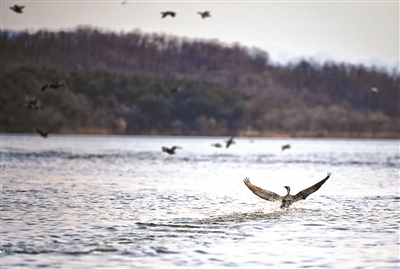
pixel 344 31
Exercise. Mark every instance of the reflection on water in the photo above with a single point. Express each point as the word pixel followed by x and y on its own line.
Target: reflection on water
pixel 78 201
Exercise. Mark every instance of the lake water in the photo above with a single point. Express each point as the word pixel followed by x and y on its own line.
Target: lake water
pixel 118 201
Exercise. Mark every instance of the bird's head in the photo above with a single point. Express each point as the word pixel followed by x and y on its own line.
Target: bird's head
pixel 288 189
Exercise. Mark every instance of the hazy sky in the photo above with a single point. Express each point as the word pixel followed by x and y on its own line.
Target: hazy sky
pixel 351 31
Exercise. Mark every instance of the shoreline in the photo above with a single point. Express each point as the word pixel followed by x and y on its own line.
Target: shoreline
pixel 283 135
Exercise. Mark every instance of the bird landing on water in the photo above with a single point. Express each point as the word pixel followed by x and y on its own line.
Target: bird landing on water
pixel 288 199
pixel 170 151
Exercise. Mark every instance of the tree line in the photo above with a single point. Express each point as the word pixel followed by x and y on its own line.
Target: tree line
pixel 120 83
pixel 98 101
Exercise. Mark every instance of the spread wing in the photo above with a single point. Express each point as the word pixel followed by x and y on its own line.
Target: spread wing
pixel 306 192
pixel 175 147
pixel 230 141
pixel 264 194
pixel 43 134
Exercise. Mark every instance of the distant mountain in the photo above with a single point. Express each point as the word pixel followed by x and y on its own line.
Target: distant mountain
pixel 281 57
pixel 10 34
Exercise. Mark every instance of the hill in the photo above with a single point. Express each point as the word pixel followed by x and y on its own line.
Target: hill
pixel 125 77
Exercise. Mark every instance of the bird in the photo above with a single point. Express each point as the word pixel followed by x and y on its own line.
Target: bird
pixel 53 86
pixel 176 89
pixel 56 85
pixel 171 150
pixel 204 14
pixel 217 145
pixel 31 104
pixel 17 9
pixel 42 134
pixel 168 13
pixel 230 142
pixel 375 90
pixel 287 146
pixel 288 199
pixel 123 2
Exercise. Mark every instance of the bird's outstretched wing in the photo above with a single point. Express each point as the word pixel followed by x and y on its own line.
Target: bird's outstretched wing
pixel 306 192
pixel 43 134
pixel 175 147
pixel 166 13
pixel 264 194
pixel 229 142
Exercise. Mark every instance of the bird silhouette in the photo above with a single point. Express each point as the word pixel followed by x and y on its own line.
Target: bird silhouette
pixel 31 104
pixel 204 14
pixel 176 89
pixel 284 147
pixel 168 13
pixel 217 145
pixel 171 150
pixel 17 9
pixel 53 86
pixel 230 142
pixel 42 134
pixel 288 199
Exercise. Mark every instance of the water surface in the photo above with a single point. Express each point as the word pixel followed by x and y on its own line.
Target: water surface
pixel 118 201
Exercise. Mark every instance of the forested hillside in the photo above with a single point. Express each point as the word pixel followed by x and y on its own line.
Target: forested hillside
pixel 121 83
pixel 104 102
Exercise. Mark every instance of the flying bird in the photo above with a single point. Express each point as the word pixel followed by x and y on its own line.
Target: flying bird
pixel 230 142
pixel 287 200
pixel 31 104
pixel 217 145
pixel 56 85
pixel 42 134
pixel 168 13
pixel 176 89
pixel 17 9
pixel 287 146
pixel 171 150
pixel 204 14
pixel 53 86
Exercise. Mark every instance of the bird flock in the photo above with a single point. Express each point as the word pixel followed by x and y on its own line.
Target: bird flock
pixel 286 201
pixel 35 104
pixel 203 14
